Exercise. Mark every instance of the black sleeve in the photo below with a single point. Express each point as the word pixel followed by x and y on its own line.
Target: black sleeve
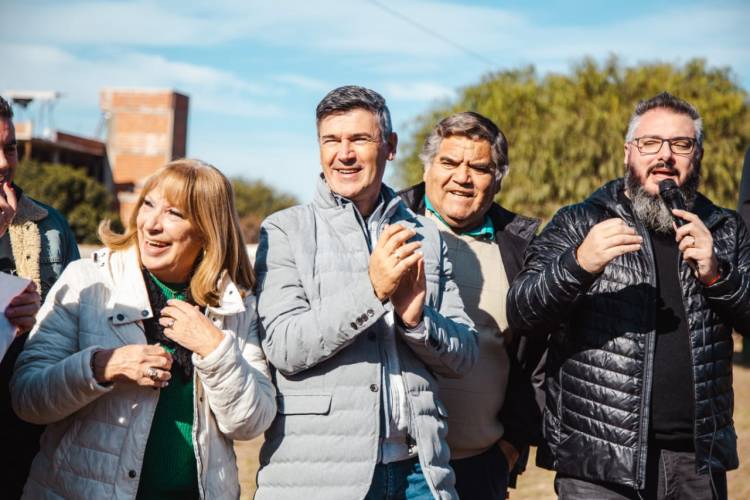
pixel 552 279
pixel 745 212
pixel 521 414
pixel 730 296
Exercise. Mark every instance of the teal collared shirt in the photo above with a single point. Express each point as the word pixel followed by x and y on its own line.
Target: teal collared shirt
pixel 485 231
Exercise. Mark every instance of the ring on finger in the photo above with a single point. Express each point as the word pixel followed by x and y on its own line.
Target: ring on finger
pixel 152 373
pixel 397 254
pixel 171 323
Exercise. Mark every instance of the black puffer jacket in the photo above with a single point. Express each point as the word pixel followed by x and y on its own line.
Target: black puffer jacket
pixel 600 360
pixel 743 207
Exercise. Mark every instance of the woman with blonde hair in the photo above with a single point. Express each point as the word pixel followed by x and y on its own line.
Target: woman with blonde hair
pixel 145 362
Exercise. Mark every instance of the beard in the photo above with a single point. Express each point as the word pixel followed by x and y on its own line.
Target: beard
pixel 651 210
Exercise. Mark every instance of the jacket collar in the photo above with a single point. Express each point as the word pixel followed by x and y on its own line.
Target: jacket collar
pixel 231 301
pixel 611 197
pixel 502 219
pixel 129 302
pixel 28 210
pixel 325 198
pixel 486 231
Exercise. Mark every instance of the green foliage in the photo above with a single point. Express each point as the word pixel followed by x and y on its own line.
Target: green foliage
pixel 566 132
pixel 82 200
pixel 254 201
pixel 259 198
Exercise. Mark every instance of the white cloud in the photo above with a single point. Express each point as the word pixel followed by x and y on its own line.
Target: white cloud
pixel 131 23
pixel 356 29
pixel 80 79
pixel 283 55
pixel 303 82
pixel 417 91
pixel 714 32
pixel 293 168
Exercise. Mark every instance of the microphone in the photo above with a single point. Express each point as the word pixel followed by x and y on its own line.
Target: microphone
pixel 672 198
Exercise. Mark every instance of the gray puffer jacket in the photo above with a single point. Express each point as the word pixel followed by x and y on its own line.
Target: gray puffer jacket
pixel 600 360
pixel 317 307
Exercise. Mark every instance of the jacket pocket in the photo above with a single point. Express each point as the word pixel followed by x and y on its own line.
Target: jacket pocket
pixel 304 404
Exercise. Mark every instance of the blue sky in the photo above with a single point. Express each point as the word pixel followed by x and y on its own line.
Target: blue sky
pixel 255 70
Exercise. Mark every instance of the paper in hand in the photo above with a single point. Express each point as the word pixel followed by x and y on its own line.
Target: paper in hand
pixel 10 286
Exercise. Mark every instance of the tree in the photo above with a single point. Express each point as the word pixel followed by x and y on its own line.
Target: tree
pixel 82 200
pixel 566 132
pixel 255 201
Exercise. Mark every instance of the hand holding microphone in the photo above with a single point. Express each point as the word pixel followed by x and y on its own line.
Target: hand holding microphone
pixel 673 198
pixel 693 237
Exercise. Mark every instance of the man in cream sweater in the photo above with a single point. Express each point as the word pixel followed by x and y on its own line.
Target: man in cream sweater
pixel 493 415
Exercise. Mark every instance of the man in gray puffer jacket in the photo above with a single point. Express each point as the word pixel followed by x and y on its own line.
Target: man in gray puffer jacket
pixel 359 312
pixel 639 372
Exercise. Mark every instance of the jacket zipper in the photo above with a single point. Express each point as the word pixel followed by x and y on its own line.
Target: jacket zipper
pixel 388 212
pixel 558 424
pixel 196 422
pixel 680 261
pixel 199 468
pixel 413 423
pixel 412 419
pixel 647 373
pixel 407 391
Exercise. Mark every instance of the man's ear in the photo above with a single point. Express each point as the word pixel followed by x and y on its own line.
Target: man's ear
pixel 498 177
pixel 626 154
pixel 498 186
pixel 392 144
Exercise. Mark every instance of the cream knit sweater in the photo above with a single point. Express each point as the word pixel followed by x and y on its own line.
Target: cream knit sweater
pixel 475 400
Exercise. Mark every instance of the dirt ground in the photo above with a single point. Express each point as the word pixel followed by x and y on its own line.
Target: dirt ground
pixel 536 483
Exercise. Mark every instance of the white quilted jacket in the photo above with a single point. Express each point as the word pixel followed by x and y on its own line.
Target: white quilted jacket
pixel 96 436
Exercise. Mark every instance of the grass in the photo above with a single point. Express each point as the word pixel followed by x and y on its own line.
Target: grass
pixel 536 483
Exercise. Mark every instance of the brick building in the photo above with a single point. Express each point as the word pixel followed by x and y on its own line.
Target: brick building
pixel 145 129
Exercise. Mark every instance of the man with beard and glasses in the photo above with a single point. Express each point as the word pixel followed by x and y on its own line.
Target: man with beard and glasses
pixel 639 370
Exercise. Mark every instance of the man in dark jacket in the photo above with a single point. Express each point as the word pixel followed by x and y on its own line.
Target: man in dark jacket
pixel 743 207
pixel 493 415
pixel 36 243
pixel 639 393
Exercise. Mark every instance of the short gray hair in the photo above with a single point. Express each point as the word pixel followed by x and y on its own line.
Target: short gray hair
pixel 351 97
pixel 668 101
pixel 472 125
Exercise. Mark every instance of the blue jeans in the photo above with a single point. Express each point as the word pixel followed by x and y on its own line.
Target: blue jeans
pixel 402 480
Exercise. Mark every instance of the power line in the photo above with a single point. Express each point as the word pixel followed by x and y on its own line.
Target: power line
pixel 433 33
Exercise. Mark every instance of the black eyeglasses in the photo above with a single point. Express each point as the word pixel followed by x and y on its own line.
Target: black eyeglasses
pixel 651 145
